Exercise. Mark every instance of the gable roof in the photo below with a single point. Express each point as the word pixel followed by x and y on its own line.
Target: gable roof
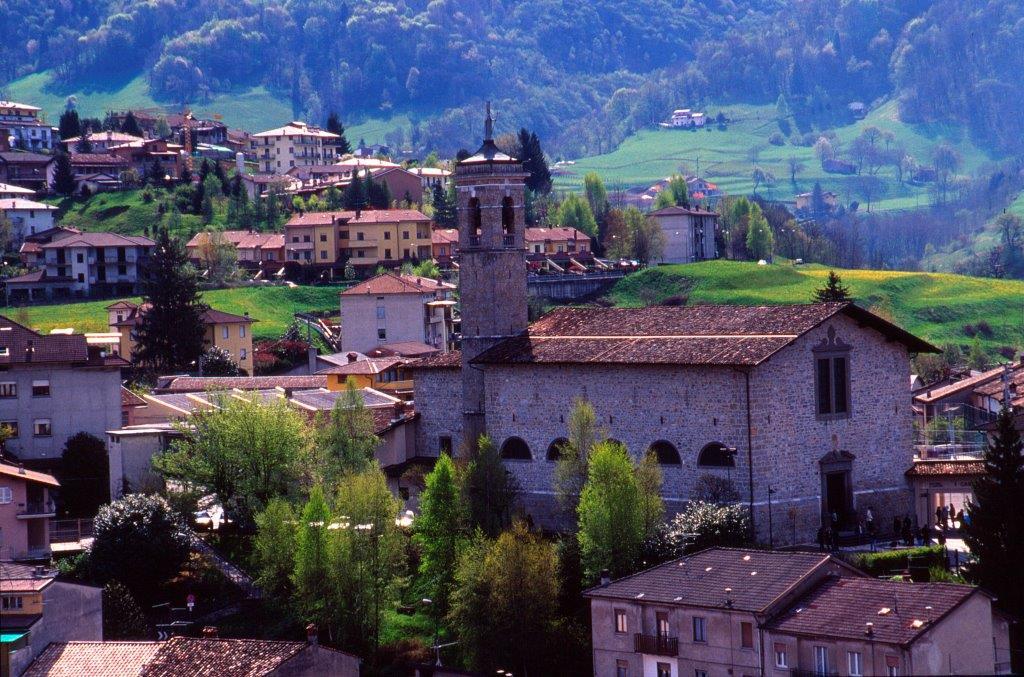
pixel 931 395
pixel 842 607
pixel 444 236
pixel 365 216
pixel 181 656
pixel 21 473
pixel 25 346
pixel 241 239
pixel 96 659
pixel 23 577
pixel 757 578
pixel 198 384
pixel 676 210
pixel 97 239
pixel 12 203
pixel 686 335
pixel 296 129
pixel 209 316
pixel 556 233
pixel 373 365
pixel 397 283
pixel 946 468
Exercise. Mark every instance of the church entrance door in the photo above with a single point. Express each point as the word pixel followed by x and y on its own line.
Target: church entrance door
pixel 837 496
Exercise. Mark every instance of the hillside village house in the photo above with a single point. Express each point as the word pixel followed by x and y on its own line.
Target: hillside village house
pixel 803 200
pixel 27 217
pixel 749 612
pixel 27 170
pixel 251 247
pixel 52 387
pixel 12 192
pixel 816 394
pixel 26 508
pixel 145 154
pixel 689 233
pixel 100 141
pixel 401 183
pixel 685 117
pixel 24 127
pixel 444 244
pixel 296 144
pixel 230 332
pixel 386 374
pixel 86 166
pixel 37 609
pixel 366 238
pixel 394 307
pixel 557 240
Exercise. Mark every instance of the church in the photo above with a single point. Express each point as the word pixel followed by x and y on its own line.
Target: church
pixel 805 408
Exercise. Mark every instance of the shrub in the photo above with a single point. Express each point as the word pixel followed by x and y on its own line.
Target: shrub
pixel 715 489
pixel 777 139
pixel 140 541
pixel 1009 352
pixel 889 561
pixel 984 328
pixel 706 525
pixel 675 300
pixel 84 477
pixel 970 330
pixel 122 615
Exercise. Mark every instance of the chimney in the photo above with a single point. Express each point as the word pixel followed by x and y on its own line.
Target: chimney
pixel 351 357
pixel 21 468
pixel 210 632
pixel 869 629
pixel 311 634
pixel 606 577
pixel 39 571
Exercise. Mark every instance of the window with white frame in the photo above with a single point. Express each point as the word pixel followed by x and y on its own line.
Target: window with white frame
pixel 821 660
pixel 6 495
pixel 41 427
pixel 892 666
pixel 41 388
pixel 226 332
pixel 242 353
pixel 700 629
pixel 8 389
pixel 853 663
pixel 781 659
pixel 241 331
pixel 621 622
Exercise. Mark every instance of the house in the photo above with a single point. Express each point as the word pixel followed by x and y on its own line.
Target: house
pixel 804 200
pixel 429 176
pixel 364 238
pixel 27 170
pixel 689 233
pixel 251 247
pixel 857 109
pixel 687 118
pixel 24 127
pixel 557 240
pixel 444 244
pixel 386 374
pixel 396 307
pixel 88 165
pixel 145 154
pixel 739 611
pixel 293 145
pixel 230 332
pixel 54 386
pixel 100 182
pixel 88 264
pixel 260 185
pixel 31 250
pixel 38 608
pixel 26 508
pixel 27 217
pixel 817 394
pixel 11 192
pixel 206 655
pixel 372 150
pixel 837 166
pixel 101 142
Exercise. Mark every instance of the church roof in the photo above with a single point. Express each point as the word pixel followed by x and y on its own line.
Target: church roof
pixel 687 335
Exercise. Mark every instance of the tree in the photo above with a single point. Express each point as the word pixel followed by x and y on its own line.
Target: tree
pixel 795 167
pixel 354 198
pixel 216 361
pixel 246 451
pixel 760 240
pixel 819 208
pixel 64 182
pixel 646 239
pixel 131 125
pixel 312 572
pixel 676 193
pixel 571 468
pixel 69 125
pixel 761 175
pixel 612 513
pixel 704 525
pixel 824 150
pixel 334 126
pixel 833 291
pixel 616 235
pixel 140 541
pixel 274 547
pixel 445 215
pixel 219 256
pixel 489 488
pixel 441 532
pixel 597 197
pixel 345 438
pixel 574 212
pixel 531 155
pixel 377 193
pixel 427 268
pixel 84 475
pixel 84 143
pixel 122 615
pixel 995 517
pixel 170 335
pixel 869 188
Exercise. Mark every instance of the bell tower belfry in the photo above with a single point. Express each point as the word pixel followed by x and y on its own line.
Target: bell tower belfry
pixel 490 193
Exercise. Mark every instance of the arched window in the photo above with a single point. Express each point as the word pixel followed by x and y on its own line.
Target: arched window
pixel 666 452
pixel 555 448
pixel 716 455
pixel 475 217
pixel 515 448
pixel 508 216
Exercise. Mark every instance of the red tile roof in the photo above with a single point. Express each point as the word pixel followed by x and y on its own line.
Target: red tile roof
pixel 95 659
pixel 444 236
pixel 97 159
pixel 450 360
pixel 198 384
pixel 926 468
pixel 130 399
pixel 365 216
pixel 23 578
pixel 675 210
pixel 210 316
pixel 842 608
pixel 403 349
pixel 392 283
pixel 555 234
pixel 24 345
pixel 242 239
pixel 968 383
pixel 374 365
pixel 20 473
pixel 208 657
pixel 100 240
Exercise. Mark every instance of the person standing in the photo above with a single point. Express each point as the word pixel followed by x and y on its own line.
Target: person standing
pixel 869 518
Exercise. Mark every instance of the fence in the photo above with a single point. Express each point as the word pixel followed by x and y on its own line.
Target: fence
pixel 70 530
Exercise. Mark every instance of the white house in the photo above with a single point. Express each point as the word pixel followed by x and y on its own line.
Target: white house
pixel 27 217
pixel 25 129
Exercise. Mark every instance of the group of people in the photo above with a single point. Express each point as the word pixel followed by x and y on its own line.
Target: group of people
pixel 904 530
pixel 948 517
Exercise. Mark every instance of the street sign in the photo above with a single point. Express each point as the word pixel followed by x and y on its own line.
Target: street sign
pixel 190 602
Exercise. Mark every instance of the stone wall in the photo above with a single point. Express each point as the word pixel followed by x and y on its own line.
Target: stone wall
pixel 438 398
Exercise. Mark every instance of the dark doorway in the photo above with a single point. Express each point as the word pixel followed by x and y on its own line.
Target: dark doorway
pixel 837 496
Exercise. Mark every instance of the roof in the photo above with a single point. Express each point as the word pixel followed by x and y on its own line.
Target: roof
pixel 11 470
pixel 969 383
pixel 209 316
pixel 39 275
pixel 943 468
pixel 757 578
pixel 26 157
pixel 19 106
pixel 96 659
pixel 403 349
pixel 324 400
pixel 450 360
pixel 366 216
pixel 297 129
pixel 198 384
pixel 445 236
pixel 130 399
pixel 17 190
pixel 682 211
pixel 21 203
pixel 24 345
pixel 557 233
pixel 214 316
pixel 23 578
pixel 100 240
pixel 842 608
pixel 186 656
pixel 106 136
pixel 373 365
pixel 242 239
pixel 687 335
pixel 97 159
pixel 397 283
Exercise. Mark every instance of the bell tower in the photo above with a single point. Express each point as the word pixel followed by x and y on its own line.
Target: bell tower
pixel 490 192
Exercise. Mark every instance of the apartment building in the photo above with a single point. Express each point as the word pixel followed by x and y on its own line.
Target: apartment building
pixel 558 240
pixel 251 247
pixel 87 264
pixel 26 508
pixel 27 217
pixel 27 131
pixel 297 144
pixel 393 308
pixel 366 238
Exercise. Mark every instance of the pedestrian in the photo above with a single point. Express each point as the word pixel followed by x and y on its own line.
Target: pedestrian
pixel 960 518
pixel 869 517
pixel 896 526
pixel 945 517
pixel 924 535
pixel 938 516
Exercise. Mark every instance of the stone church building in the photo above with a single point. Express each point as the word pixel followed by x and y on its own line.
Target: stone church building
pixel 806 408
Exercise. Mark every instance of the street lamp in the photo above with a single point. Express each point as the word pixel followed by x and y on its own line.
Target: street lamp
pixel 426 601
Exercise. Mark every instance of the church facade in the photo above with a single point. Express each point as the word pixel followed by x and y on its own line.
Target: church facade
pixel 805 408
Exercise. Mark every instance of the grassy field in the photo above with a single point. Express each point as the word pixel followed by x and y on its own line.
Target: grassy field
pixel 273 307
pixel 253 109
pixel 724 157
pixel 125 213
pixel 935 306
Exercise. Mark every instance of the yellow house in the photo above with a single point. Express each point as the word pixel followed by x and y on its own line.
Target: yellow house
pixel 386 374
pixel 364 238
pixel 231 332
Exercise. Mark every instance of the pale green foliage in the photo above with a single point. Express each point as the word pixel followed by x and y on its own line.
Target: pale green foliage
pixel 571 469
pixel 441 531
pixel 646 241
pixel 597 195
pixel 344 439
pixel 760 241
pixel 574 212
pixel 489 488
pixel 274 546
pixel 427 268
pixel 649 478
pixel 311 574
pixel 706 525
pixel 675 194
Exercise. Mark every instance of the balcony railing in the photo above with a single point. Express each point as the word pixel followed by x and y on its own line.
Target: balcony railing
pixel 34 509
pixel 508 240
pixel 657 645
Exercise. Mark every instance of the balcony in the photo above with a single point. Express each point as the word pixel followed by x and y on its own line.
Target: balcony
pixel 656 645
pixel 508 241
pixel 37 509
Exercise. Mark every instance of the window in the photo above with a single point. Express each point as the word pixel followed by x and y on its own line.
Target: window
pixel 387 234
pixel 892 666
pixel 323 237
pixel 241 331
pixel 41 427
pixel 747 635
pixel 80 257
pixel 381 312
pixel 8 389
pixel 382 334
pixel 40 388
pixel 323 254
pixel 516 449
pixel 700 629
pixel 555 449
pixel 621 668
pixel 700 673
pixel 820 660
pixel 11 426
pixel 343 234
pixel 666 453
pixel 6 495
pixel 780 656
pixel 853 663
pixel 305 238
pixel 226 332
pixel 295 238
pixel 359 235
pixel 11 603
pixel 621 623
pixel 716 455
pixel 122 269
pixel 387 253
pixel 832 377
pixel 81 277
pixel 444 444
pixel 508 216
pixel 475 216
pixel 242 353
pixel 405 235
pixel 664 670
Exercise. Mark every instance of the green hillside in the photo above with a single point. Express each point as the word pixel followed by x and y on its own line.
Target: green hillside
pixel 724 156
pixel 935 306
pixel 273 307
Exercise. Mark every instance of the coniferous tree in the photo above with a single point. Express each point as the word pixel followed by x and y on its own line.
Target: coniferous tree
pixel 354 197
pixel 131 125
pixel 70 126
pixel 444 207
pixel 170 334
pixel 490 490
pixel 63 176
pixel 834 290
pixel 441 531
pixel 994 518
pixel 84 145
pixel 225 185
pixel 156 173
pixel 534 163
pixel 334 126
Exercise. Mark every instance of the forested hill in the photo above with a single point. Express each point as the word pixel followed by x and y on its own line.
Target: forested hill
pixel 583 75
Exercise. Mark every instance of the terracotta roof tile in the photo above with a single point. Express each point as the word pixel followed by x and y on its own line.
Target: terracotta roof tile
pixel 925 468
pixel 207 657
pixel 24 345
pixel 450 360
pixel 130 399
pixel 198 384
pixel 373 365
pixel 100 240
pixel 841 607
pixel 929 396
pixel 557 234
pixel 96 659
pixel 392 283
pixel 365 216
pixel 403 349
pixel 444 236
pixel 22 577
